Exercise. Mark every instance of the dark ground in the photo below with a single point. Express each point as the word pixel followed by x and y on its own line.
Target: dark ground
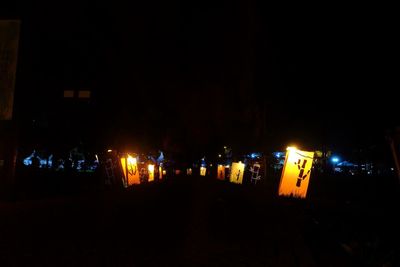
pixel 187 221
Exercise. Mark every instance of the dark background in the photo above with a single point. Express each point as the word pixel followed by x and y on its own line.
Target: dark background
pixel 195 75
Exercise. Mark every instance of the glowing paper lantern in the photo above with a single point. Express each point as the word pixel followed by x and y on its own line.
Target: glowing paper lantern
pixel 150 168
pixel 203 171
pixel 130 170
pixel 160 172
pixel 164 172
pixel 221 172
pixel 255 170
pixel 296 173
pixel 189 171
pixel 237 172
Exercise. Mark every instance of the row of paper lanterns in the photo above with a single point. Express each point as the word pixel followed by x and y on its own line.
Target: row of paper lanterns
pixel 294 179
pixel 132 173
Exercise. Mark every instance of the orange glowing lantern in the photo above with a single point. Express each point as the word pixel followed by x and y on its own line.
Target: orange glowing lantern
pixel 296 173
pixel 203 171
pixel 150 168
pixel 130 170
pixel 237 172
pixel 160 172
pixel 164 172
pixel 221 172
pixel 189 171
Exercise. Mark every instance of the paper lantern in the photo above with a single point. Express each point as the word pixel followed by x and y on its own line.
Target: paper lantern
pixel 160 172
pixel 189 171
pixel 150 168
pixel 296 173
pixel 255 171
pixel 164 172
pixel 203 171
pixel 130 170
pixel 237 172
pixel 221 172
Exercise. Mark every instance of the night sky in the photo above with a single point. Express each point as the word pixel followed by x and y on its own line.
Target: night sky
pixel 197 75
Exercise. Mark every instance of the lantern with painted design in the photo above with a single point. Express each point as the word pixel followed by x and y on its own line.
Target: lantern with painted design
pixel 237 172
pixel 130 170
pixel 150 169
pixel 203 171
pixel 221 172
pixel 296 173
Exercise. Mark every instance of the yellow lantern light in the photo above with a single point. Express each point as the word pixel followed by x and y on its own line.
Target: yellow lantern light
pixel 164 172
pixel 189 171
pixel 150 168
pixel 221 172
pixel 130 170
pixel 296 173
pixel 160 172
pixel 203 171
pixel 237 172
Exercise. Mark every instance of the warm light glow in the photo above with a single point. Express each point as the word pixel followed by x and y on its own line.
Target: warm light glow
pixel 189 171
pixel 84 94
pixel 296 173
pixel 130 170
pixel 150 167
pixel 110 150
pixel 68 93
pixel 291 148
pixel 164 172
pixel 132 160
pixel 221 172
pixel 160 172
pixel 203 171
pixel 219 155
pixel 237 172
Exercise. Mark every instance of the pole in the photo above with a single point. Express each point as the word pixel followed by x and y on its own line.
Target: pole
pixel 9 38
pixel 395 156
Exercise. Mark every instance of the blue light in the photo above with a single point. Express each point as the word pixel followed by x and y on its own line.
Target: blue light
pixel 335 159
pixel 28 161
pixel 255 155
